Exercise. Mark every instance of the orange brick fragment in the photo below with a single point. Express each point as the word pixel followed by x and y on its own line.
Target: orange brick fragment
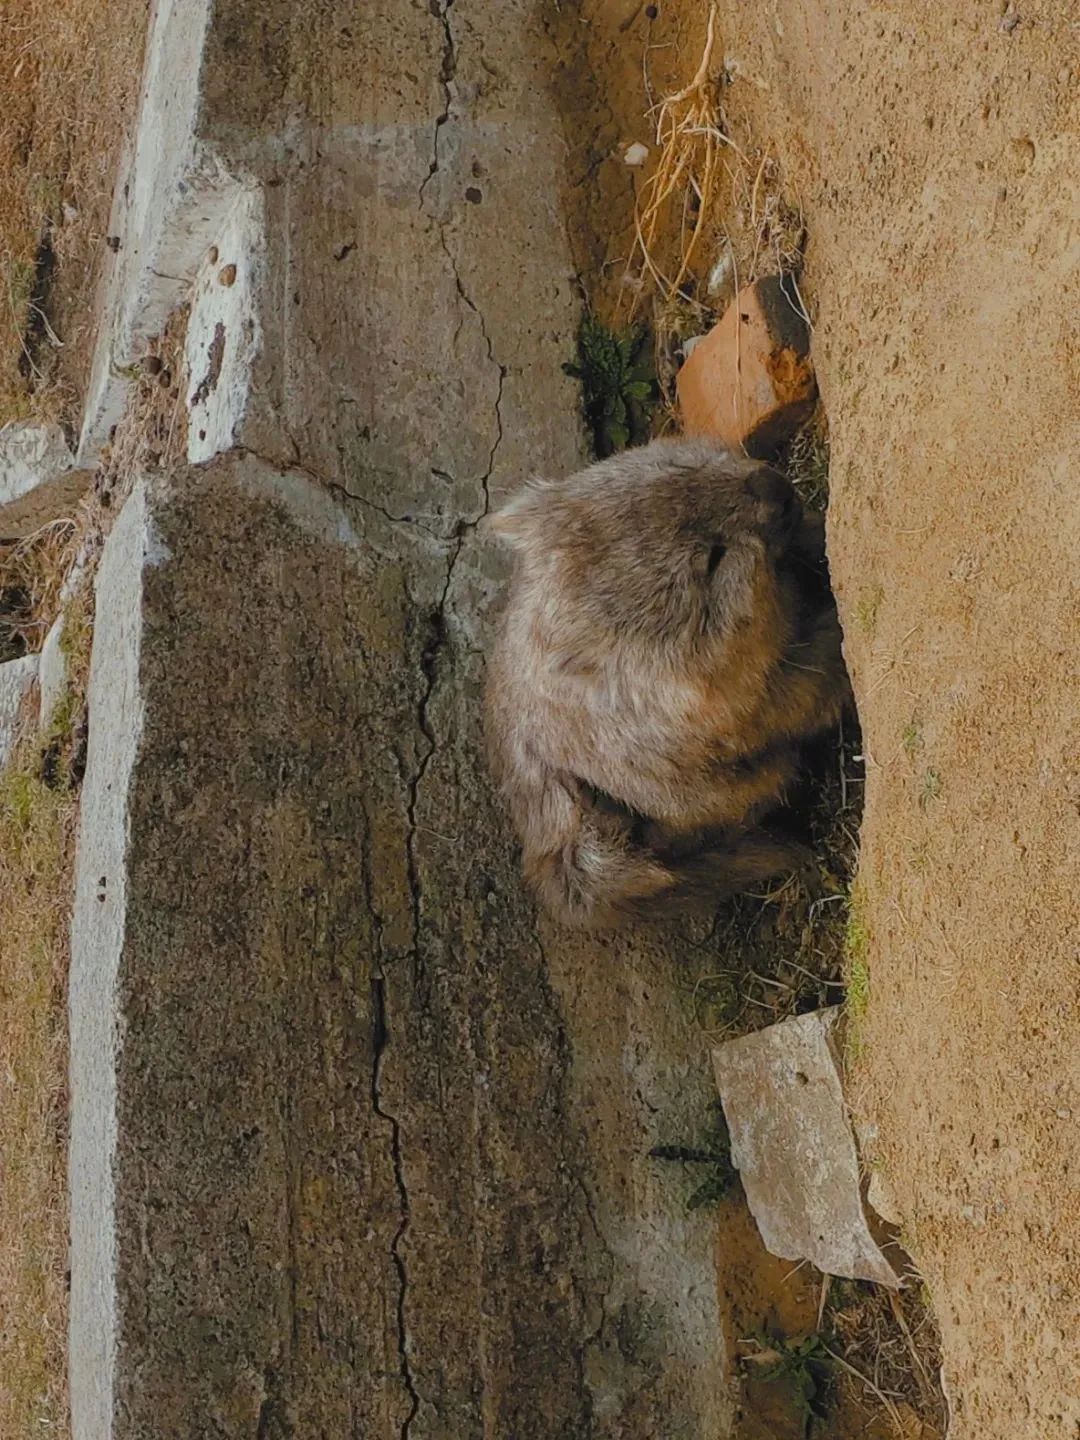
pixel 750 382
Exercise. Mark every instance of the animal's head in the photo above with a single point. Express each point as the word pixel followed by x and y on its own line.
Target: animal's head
pixel 673 544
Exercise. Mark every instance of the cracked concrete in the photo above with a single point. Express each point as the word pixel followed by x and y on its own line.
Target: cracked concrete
pixel 381 1161
pixel 379 1025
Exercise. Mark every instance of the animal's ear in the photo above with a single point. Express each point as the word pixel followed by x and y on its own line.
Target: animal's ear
pixel 514 522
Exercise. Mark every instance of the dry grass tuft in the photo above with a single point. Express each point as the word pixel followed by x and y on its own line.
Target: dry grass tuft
pixel 711 217
pixel 679 193
pixel 891 1339
pixel 37 828
pixel 782 953
pixel 69 77
pixel 32 573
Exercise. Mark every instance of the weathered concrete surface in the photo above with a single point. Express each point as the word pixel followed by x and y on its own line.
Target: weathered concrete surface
pixel 792 1141
pixel 381 1160
pixel 97 1017
pixel 16 677
pixel 174 198
pixel 223 333
pixel 37 482
pixel 330 1160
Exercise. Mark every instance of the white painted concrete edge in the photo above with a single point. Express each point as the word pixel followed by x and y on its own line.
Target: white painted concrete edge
pixel 173 204
pixel 97 937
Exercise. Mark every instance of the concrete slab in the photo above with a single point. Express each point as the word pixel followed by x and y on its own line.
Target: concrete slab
pixel 792 1141
pixel 16 678
pixel 37 482
pixel 350 1078
pixel 96 1018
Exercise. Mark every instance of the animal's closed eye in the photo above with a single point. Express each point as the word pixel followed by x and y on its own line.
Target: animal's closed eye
pixel 716 554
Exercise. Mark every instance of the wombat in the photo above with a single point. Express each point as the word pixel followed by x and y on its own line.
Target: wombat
pixel 669 640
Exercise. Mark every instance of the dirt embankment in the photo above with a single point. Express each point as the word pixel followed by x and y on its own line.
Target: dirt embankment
pixel 934 153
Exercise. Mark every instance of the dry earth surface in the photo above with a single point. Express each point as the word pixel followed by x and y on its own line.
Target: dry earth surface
pixel 69 82
pixel 932 155
pixel 934 151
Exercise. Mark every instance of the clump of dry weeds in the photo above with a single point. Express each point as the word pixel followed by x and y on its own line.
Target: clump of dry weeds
pixel 712 216
pixel 780 953
pixel 69 78
pixel 36 826
pixel 33 569
pixel 890 1342
pixel 38 804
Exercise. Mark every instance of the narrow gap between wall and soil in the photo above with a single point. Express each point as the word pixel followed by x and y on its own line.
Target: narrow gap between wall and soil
pixel 677 204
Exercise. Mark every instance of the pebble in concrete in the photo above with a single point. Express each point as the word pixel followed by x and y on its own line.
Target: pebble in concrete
pixel 16 677
pixel 792 1142
pixel 223 333
pixel 37 481
pixel 749 382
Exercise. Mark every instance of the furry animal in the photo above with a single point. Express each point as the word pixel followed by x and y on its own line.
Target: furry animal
pixel 670 640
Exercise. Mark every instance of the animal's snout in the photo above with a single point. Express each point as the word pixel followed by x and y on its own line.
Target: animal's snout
pixel 776 497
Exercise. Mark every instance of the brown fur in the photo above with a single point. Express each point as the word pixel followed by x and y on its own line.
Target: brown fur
pixel 668 643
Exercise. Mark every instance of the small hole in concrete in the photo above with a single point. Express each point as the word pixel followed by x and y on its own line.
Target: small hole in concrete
pixel 473 195
pixel 801 1078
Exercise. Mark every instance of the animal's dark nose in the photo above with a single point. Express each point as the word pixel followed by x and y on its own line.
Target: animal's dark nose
pixel 770 488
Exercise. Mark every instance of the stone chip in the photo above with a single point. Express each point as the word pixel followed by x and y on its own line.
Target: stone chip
pixel 792 1142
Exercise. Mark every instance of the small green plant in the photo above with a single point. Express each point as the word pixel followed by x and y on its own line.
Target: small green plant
pixel 866 609
pixel 911 737
pixel 931 787
pixel 618 384
pixel 802 1367
pixel 19 792
pixel 711 1161
pixel 715 1000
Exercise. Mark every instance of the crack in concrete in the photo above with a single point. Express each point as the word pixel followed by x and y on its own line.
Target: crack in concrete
pixel 381 1040
pixel 447 71
pixel 430 656
pixel 429 665
pixel 297 466
pixel 471 305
